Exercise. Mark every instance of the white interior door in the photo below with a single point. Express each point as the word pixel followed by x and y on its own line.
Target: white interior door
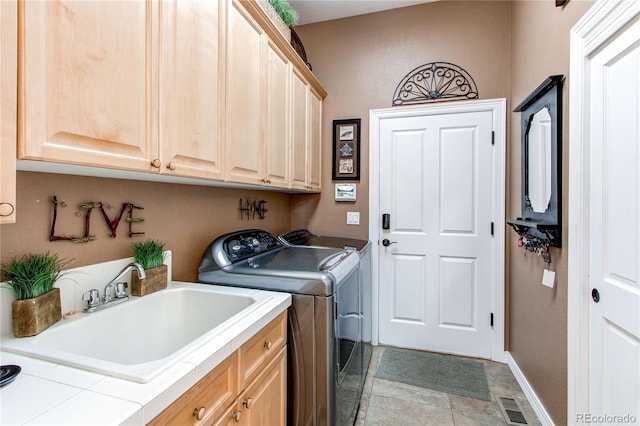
pixel 436 277
pixel 614 212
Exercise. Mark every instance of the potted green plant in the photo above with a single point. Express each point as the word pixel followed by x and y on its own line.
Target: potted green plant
pixel 288 15
pixel 32 279
pixel 150 255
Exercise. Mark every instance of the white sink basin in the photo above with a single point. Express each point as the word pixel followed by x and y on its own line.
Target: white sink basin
pixel 143 336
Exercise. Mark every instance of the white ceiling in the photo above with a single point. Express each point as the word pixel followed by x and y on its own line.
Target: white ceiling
pixel 311 11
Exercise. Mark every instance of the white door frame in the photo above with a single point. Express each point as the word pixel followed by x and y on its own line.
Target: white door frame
pixel 593 30
pixel 498 109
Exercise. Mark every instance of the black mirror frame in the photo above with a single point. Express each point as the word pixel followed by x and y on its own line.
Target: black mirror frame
pixel 545 225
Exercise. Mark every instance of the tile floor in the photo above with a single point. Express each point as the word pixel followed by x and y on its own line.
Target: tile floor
pixel 390 403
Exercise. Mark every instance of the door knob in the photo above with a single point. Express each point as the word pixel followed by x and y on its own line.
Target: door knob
pixel 595 295
pixel 387 243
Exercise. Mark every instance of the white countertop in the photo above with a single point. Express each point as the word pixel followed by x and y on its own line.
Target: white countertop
pixel 47 393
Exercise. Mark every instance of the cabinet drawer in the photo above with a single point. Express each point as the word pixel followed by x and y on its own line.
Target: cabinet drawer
pixel 261 348
pixel 215 392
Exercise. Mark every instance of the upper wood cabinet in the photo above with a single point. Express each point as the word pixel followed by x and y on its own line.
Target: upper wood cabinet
pixel 89 90
pixel 277 118
pixel 244 87
pixel 197 89
pixel 192 89
pixel 306 137
pixel 258 102
pixel 300 94
pixel 314 158
pixel 8 109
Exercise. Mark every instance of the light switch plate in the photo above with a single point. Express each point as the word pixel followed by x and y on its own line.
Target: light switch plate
pixel 353 218
pixel 548 278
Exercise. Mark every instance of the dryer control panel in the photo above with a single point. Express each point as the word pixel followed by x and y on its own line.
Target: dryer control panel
pixel 243 245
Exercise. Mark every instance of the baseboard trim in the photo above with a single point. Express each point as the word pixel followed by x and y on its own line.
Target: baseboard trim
pixel 535 402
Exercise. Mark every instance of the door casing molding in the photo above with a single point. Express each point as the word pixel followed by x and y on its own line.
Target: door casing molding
pixel 590 33
pixel 498 109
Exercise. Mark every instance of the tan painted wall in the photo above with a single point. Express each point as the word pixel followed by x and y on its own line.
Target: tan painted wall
pixel 509 48
pixel 538 319
pixel 186 217
pixel 361 60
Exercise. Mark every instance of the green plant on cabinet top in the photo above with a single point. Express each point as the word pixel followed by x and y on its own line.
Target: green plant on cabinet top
pixel 282 8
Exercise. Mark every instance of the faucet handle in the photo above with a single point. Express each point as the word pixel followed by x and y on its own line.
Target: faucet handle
pixel 120 290
pixel 92 297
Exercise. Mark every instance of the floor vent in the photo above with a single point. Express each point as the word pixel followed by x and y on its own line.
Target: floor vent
pixel 511 411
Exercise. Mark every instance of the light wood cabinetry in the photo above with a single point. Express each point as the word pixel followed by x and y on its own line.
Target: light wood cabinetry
pixel 258 131
pixel 98 90
pixel 193 89
pixel 264 401
pixel 207 400
pixel 299 138
pixel 89 83
pixel 8 109
pixel 306 136
pixel 244 85
pixel 249 387
pixel 277 117
pixel 314 158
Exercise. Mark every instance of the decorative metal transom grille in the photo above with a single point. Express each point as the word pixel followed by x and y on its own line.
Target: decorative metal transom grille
pixel 435 81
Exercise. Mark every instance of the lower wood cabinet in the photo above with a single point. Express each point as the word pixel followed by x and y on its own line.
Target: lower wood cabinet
pixel 249 387
pixel 207 399
pixel 264 400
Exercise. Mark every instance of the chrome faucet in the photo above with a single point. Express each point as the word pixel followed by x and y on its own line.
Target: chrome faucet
pixel 93 296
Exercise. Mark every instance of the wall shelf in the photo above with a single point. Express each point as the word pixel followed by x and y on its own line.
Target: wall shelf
pixel 541 230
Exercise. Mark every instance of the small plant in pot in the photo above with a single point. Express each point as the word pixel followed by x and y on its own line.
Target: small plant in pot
pixel 288 15
pixel 32 279
pixel 150 255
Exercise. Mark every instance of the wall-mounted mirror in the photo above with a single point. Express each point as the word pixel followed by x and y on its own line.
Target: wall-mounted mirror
pixel 538 158
pixel 541 139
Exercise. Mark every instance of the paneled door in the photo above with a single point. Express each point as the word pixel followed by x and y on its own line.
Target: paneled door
pixel 614 211
pixel 603 337
pixel 437 259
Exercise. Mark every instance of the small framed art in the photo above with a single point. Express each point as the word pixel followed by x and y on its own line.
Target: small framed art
pixel 345 192
pixel 346 149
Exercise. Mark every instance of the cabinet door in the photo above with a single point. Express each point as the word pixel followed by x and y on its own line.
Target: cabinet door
pixel 89 73
pixel 277 133
pixel 314 158
pixel 207 400
pixel 191 89
pixel 8 109
pixel 299 134
pixel 264 401
pixel 244 111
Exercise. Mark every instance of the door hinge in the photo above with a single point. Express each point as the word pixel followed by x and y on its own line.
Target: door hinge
pixel 492 229
pixel 491 319
pixel 493 137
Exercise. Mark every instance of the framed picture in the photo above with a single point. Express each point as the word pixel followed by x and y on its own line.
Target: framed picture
pixel 346 149
pixel 345 192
